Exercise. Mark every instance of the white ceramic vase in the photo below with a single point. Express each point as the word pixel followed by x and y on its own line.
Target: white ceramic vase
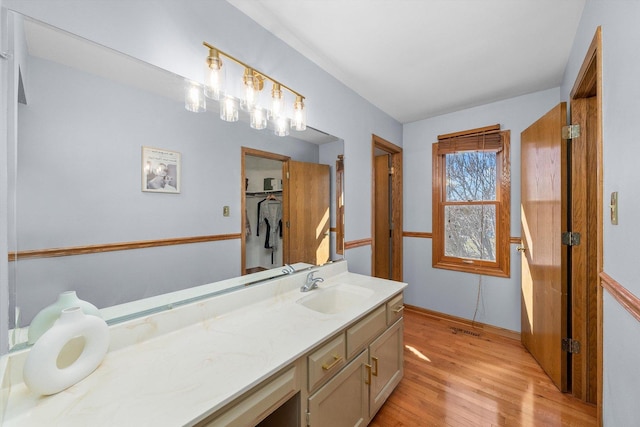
pixel 41 372
pixel 45 318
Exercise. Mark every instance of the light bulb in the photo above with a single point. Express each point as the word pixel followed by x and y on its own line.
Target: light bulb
pixel 258 118
pixel 252 87
pixel 299 114
pixel 281 126
pixel 194 97
pixel 277 101
pixel 229 109
pixel 214 76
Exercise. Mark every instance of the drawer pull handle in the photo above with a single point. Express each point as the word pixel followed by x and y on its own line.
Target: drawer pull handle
pixel 375 366
pixel 336 360
pixel 398 309
pixel 368 368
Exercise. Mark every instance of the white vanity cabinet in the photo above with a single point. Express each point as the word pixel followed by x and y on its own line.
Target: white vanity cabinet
pixel 257 356
pixel 353 394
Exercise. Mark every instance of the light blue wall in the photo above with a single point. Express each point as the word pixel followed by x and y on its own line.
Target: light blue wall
pixel 458 294
pixel 621 150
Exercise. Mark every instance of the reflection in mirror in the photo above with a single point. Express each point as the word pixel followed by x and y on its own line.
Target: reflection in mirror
pixel 79 217
pixel 263 213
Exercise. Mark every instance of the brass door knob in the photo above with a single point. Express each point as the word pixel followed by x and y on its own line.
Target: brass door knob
pixel 521 249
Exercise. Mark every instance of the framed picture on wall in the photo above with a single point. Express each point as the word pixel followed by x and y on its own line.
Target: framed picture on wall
pixel 160 170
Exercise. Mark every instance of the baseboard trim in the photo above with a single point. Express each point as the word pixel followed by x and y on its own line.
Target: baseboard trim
pixel 506 333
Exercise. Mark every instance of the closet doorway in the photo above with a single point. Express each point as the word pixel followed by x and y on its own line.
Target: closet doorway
pixel 285 211
pixel 386 211
pixel 262 245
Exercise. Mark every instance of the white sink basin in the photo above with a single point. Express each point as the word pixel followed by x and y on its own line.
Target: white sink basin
pixel 335 298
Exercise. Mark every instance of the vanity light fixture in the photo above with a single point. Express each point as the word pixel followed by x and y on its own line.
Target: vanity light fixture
pixel 299 114
pixel 281 126
pixel 229 108
pixel 277 101
pixel 194 99
pixel 252 84
pixel 214 76
pixel 258 118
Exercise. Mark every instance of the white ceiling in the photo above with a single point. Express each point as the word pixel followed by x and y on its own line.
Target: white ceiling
pixel 416 59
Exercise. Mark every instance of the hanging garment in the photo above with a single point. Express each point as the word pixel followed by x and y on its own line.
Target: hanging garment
pixel 258 221
pixel 270 214
pixel 247 224
pixel 266 239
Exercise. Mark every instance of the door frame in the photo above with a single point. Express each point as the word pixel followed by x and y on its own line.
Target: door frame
pixel 396 204
pixel 586 289
pixel 245 151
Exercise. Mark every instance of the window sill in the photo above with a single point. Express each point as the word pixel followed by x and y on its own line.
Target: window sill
pixel 475 268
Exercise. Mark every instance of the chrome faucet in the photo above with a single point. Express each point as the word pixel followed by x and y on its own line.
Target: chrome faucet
pixel 311 282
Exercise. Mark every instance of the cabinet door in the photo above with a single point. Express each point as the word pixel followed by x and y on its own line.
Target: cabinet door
pixel 342 402
pixel 387 365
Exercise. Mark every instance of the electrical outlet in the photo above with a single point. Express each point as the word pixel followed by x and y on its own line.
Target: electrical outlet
pixel 225 211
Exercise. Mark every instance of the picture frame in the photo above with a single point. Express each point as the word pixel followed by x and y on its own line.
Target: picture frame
pixel 161 170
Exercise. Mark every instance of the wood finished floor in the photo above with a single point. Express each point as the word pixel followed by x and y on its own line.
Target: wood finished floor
pixel 457 379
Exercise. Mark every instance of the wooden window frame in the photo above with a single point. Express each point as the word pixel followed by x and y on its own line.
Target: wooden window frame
pixel 464 141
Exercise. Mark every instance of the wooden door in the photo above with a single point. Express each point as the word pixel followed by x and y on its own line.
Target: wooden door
pixel 306 213
pixel 382 246
pixel 544 258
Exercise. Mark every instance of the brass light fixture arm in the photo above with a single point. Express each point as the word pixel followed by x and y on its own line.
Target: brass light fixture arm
pixel 256 72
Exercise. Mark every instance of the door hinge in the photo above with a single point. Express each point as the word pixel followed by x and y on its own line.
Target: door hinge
pixel 287 224
pixel 570 131
pixel 570 345
pixel 287 175
pixel 392 170
pixel 570 239
pixel 308 419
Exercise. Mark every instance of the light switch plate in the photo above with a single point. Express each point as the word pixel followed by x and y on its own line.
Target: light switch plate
pixel 614 208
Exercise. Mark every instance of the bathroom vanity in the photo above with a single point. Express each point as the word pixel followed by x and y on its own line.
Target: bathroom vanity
pixel 266 355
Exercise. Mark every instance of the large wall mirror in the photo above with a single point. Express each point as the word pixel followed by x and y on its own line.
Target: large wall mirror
pixel 79 218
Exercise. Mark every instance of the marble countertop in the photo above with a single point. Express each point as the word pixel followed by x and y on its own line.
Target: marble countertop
pixel 182 376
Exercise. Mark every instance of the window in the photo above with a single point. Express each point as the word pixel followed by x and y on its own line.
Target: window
pixel 471 201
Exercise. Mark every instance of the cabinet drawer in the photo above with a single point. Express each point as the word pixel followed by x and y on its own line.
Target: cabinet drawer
pixel 395 308
pixel 360 334
pixel 326 361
